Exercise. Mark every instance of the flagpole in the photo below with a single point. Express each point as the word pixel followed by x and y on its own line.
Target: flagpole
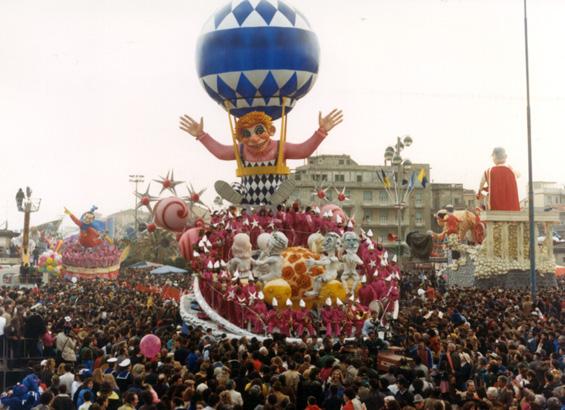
pixel 533 283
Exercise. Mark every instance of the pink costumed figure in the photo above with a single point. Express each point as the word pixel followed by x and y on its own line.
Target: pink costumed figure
pixel 366 294
pixel 361 313
pixel 257 315
pixel 302 321
pixel 273 319
pixel 285 320
pixel 327 318
pixel 338 317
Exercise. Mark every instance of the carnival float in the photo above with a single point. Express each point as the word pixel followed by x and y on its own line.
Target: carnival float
pixel 490 246
pixel 91 254
pixel 261 264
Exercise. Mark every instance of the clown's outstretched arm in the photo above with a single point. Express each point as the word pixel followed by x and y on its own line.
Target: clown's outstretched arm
pixel 74 218
pixel 307 148
pixel 196 129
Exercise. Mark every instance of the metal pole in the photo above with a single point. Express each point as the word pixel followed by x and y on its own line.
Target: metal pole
pixel 135 209
pixel 136 179
pixel 533 284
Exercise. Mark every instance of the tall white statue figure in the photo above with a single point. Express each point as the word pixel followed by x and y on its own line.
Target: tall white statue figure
pixel 269 267
pixel 329 261
pixel 241 251
pixel 350 261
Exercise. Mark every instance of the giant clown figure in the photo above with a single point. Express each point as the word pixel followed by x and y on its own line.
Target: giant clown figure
pixel 261 160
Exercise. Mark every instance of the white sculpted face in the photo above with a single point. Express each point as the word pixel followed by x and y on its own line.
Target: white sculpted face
pixel 330 242
pixel 350 242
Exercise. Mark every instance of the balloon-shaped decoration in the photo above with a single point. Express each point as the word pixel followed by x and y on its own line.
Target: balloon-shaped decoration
pixel 49 261
pixel 150 346
pixel 251 54
pixel 171 214
pixel 334 210
pixel 188 241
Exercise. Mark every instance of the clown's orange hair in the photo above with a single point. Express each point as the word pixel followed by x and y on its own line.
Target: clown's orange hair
pixel 250 119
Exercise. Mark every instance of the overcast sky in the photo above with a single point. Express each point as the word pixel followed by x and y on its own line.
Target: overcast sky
pixel 90 92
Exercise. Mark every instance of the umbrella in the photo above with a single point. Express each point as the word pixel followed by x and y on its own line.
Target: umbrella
pixel 167 269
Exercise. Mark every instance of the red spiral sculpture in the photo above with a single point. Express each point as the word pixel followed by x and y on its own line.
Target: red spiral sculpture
pixel 171 214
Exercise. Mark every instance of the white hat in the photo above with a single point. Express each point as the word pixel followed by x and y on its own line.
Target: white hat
pixel 275 302
pixel 385 255
pixel 371 246
pixel 394 258
pixel 210 265
pixel 339 302
pixel 261 295
pixel 421 292
pixel 67 318
pixel 202 387
pixel 329 301
pixel 125 363
pixel 217 265
pixel 302 304
pixel 289 302
pixel 317 210
pixel 195 254
pixel 364 279
pixel 338 219
pixel 43 362
pixel 370 233
pixel 350 224
pixel 223 263
pixel 112 360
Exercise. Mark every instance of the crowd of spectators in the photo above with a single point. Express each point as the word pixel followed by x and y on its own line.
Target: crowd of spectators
pixel 462 348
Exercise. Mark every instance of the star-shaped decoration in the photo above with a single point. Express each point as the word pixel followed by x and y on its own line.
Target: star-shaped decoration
pixel 194 196
pixel 341 197
pixel 168 183
pixel 254 224
pixel 145 198
pixel 320 193
pixel 373 264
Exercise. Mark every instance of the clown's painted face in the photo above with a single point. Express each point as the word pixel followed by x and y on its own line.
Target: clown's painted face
pixel 256 137
pixel 88 218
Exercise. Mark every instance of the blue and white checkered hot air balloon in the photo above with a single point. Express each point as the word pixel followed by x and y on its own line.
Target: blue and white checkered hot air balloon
pixel 257 55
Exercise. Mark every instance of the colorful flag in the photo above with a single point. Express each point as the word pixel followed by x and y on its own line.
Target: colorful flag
pixel 412 181
pixel 386 180
pixel 422 177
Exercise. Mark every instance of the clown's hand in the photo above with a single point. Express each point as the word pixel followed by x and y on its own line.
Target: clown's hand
pixel 330 120
pixel 187 124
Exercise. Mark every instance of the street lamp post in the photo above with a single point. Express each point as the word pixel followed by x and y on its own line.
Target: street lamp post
pixel 27 205
pixel 136 179
pixel 399 167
